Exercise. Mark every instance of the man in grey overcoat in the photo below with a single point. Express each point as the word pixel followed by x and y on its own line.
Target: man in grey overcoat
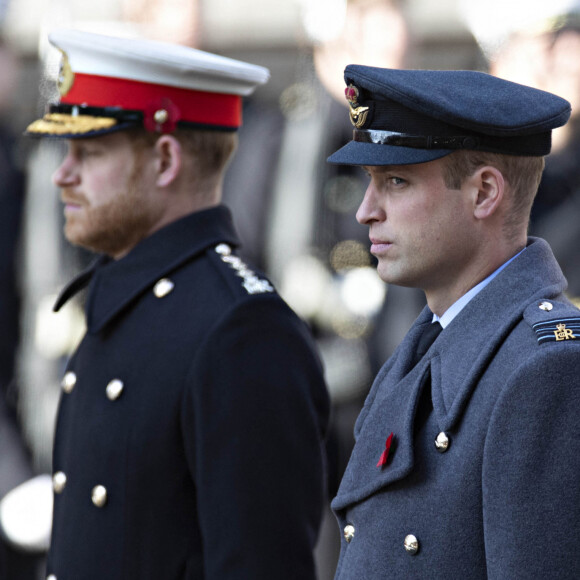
pixel 467 455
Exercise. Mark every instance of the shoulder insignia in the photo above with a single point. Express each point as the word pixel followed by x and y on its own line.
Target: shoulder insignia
pixel 251 282
pixel 553 320
pixel 560 329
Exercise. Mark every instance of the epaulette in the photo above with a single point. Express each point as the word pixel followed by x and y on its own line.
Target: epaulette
pixel 553 321
pixel 250 281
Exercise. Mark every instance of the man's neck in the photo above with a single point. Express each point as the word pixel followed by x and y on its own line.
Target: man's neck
pixel 441 299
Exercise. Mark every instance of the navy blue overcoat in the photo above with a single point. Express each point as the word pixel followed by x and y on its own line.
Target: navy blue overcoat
pixel 498 495
pixel 189 440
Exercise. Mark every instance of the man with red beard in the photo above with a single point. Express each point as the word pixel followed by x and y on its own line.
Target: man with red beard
pixel 189 440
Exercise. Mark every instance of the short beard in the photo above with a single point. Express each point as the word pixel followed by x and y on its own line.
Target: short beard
pixel 116 227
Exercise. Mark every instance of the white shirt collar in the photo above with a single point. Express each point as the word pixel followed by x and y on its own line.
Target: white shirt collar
pixel 460 304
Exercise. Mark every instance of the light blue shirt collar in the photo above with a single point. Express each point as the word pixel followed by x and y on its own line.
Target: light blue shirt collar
pixel 460 304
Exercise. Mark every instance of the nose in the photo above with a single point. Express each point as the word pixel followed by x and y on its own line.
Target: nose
pixel 369 210
pixel 66 173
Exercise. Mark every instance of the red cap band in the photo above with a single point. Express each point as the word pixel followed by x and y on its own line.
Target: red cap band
pixel 215 109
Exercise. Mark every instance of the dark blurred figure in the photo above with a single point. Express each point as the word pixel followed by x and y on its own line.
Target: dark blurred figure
pixel 14 457
pixel 356 318
pixel 15 463
pixel 294 213
pixel 374 32
pixel 537 43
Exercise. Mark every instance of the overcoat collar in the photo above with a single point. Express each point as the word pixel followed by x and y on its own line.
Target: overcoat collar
pixel 455 362
pixel 115 284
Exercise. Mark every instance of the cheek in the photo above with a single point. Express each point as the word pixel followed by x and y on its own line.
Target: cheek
pixel 103 187
pixel 438 227
pixel 425 221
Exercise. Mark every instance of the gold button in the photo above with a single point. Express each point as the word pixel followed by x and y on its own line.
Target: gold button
pixel 59 482
pixel 68 382
pixel 223 249
pixel 163 287
pixel 160 116
pixel 547 306
pixel 114 389
pixel 348 533
pixel 411 544
pixel 442 442
pixel 99 495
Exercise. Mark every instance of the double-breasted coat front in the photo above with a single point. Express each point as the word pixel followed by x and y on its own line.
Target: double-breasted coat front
pixel 486 485
pixel 189 440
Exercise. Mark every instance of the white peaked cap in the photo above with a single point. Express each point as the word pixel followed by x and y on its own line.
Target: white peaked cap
pixel 157 62
pixel 109 83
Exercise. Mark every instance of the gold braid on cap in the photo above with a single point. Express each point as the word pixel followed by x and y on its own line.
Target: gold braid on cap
pixel 63 124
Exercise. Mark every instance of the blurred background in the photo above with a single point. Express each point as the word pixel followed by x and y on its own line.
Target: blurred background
pixel 294 212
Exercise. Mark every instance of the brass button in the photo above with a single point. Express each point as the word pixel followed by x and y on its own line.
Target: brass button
pixel 442 442
pixel 547 306
pixel 163 287
pixel 59 482
pixel 114 389
pixel 99 495
pixel 68 382
pixel 223 249
pixel 411 544
pixel 349 533
pixel 160 116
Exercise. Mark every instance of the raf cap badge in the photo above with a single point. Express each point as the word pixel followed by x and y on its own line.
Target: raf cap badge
pixel 358 114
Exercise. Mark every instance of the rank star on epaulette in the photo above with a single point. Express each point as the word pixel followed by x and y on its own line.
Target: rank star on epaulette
pixel 559 330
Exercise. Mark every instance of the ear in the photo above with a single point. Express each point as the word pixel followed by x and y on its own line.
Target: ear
pixel 168 160
pixel 490 188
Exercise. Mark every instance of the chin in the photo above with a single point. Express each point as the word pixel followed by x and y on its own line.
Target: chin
pixel 387 273
pixel 73 236
pixel 390 276
pixel 81 240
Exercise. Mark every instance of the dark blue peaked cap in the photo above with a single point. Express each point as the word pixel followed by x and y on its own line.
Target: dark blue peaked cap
pixel 413 116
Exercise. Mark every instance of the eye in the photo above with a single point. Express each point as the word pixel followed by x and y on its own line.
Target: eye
pixel 91 154
pixel 83 152
pixel 397 181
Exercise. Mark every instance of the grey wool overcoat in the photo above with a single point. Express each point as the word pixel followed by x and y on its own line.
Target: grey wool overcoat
pixel 500 498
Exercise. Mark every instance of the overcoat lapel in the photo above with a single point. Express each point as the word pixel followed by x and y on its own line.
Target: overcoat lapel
pixel 479 329
pixel 113 285
pixel 467 346
pixel 390 409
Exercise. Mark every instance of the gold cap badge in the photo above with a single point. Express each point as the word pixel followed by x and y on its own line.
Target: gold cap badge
pixel 66 76
pixel 358 114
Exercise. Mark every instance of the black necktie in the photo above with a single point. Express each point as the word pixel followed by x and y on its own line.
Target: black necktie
pixel 428 337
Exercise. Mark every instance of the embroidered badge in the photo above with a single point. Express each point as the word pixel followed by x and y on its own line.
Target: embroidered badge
pixel 563 333
pixel 358 114
pixel 557 330
pixel 385 454
pixel 251 282
pixel 66 76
